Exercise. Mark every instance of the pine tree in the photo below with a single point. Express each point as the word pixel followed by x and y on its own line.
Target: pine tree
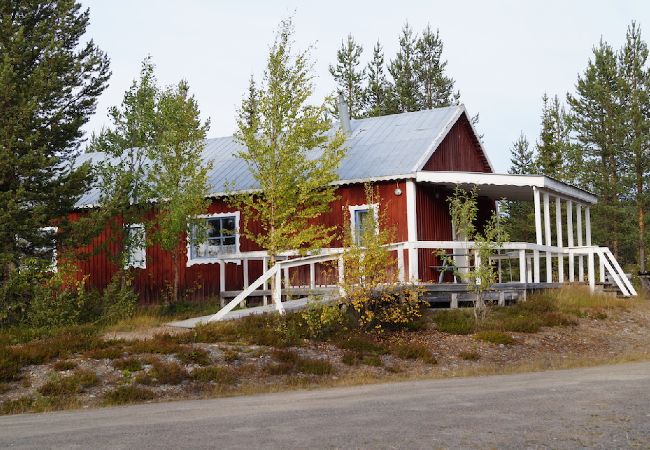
pixel 405 90
pixel 436 88
pixel 348 76
pixel 520 214
pixel 597 119
pixel 49 84
pixel 177 177
pixel 556 155
pixel 635 98
pixel 289 154
pixel 377 89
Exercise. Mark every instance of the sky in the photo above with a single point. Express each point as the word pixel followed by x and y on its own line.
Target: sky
pixel 504 55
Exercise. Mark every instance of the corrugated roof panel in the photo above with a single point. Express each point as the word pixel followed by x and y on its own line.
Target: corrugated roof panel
pixel 377 147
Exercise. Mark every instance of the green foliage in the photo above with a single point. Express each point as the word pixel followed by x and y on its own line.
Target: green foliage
pixel 288 153
pixel 120 299
pixel 168 372
pixel 64 365
pixel 192 355
pixel 413 350
pixel 495 337
pixel 371 285
pixel 18 289
pixel 216 374
pixel 290 362
pixel 128 394
pixel 347 75
pixel 376 92
pixel 454 321
pixel 130 364
pixel 405 93
pixel 323 320
pixel 362 344
pixel 70 384
pixel 49 83
pixel 436 88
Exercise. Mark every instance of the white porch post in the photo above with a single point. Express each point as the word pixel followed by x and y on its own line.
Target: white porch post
pixel 581 260
pixel 601 267
pixel 569 225
pixel 560 243
pixel 522 266
pixel 588 225
pixel 400 264
pixel 412 229
pixel 547 233
pixel 591 271
pixel 312 275
pixel 538 233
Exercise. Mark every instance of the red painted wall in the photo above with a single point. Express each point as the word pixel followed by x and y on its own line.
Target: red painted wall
pixel 201 281
pixel 459 151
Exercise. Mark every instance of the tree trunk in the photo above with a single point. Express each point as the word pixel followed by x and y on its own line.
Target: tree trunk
pixel 272 261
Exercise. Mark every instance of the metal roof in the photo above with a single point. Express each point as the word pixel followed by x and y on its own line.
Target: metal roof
pixel 386 147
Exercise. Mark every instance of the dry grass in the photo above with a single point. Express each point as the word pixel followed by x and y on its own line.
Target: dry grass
pixel 215 374
pixel 128 394
pixel 413 350
pixel 140 322
pixel 69 385
pixel 495 337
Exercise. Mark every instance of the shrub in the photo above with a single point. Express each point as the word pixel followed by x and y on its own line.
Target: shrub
pixel 351 358
pixel 454 321
pixel 413 350
pixel 60 300
pixel 230 355
pixel 194 356
pixel 130 364
pixel 495 337
pixel 17 406
pixel 323 320
pixel 71 384
pixel 128 394
pixel 372 360
pixel 362 344
pixel 63 365
pixel 168 372
pixel 164 344
pixel 17 291
pixel 105 353
pixel 290 362
pixel 469 356
pixel 120 299
pixel 216 374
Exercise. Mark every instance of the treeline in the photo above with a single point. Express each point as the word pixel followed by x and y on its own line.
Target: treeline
pixel 598 137
pixel 414 79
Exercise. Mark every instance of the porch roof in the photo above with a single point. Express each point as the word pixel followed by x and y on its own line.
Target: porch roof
pixel 506 186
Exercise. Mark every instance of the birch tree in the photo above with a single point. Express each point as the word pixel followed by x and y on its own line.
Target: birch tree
pixel 290 154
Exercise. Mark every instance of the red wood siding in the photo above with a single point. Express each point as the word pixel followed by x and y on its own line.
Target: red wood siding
pixel 459 151
pixel 201 281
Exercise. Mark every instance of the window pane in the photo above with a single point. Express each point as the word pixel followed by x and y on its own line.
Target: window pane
pixel 221 238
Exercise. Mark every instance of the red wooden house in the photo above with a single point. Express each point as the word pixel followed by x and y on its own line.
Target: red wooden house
pixel 414 160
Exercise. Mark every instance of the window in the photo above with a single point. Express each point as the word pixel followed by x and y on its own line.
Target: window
pixel 221 237
pixel 360 220
pixel 138 246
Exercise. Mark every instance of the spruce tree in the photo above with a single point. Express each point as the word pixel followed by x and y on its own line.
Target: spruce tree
pixel 556 155
pixel 289 154
pixel 597 120
pixel 49 84
pixel 635 98
pixel 405 94
pixel 377 89
pixel 436 88
pixel 520 214
pixel 348 76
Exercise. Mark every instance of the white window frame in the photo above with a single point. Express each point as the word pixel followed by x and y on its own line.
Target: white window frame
pixel 353 217
pixel 131 262
pixel 211 260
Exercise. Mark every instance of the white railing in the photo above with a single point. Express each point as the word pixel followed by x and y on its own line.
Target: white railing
pixel 528 256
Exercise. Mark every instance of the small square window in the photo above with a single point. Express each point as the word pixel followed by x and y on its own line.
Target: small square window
pixel 221 238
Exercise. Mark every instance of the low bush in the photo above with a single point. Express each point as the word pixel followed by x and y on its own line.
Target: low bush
pixel 106 353
pixel 469 356
pixel 372 360
pixel 362 344
pixel 130 364
pixel 63 365
pixel 230 355
pixel 191 355
pixel 119 298
pixel 168 372
pixel 495 337
pixel 128 394
pixel 69 385
pixel 215 374
pixel 163 344
pixel 413 350
pixel 290 362
pixel 454 321
pixel 323 321
pixel 17 406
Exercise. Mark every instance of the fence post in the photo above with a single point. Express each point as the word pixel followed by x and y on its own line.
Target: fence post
pixel 522 266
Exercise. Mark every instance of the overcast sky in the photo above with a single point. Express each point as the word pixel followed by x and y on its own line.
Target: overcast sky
pixel 503 54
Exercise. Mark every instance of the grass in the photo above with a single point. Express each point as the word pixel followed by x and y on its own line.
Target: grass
pixel 190 355
pixel 168 372
pixel 128 394
pixel 413 350
pixel 130 364
pixel 216 374
pixel 63 365
pixel 290 362
pixel 362 344
pixel 495 337
pixel 454 321
pixel 163 344
pixel 230 355
pixel 469 356
pixel 69 385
